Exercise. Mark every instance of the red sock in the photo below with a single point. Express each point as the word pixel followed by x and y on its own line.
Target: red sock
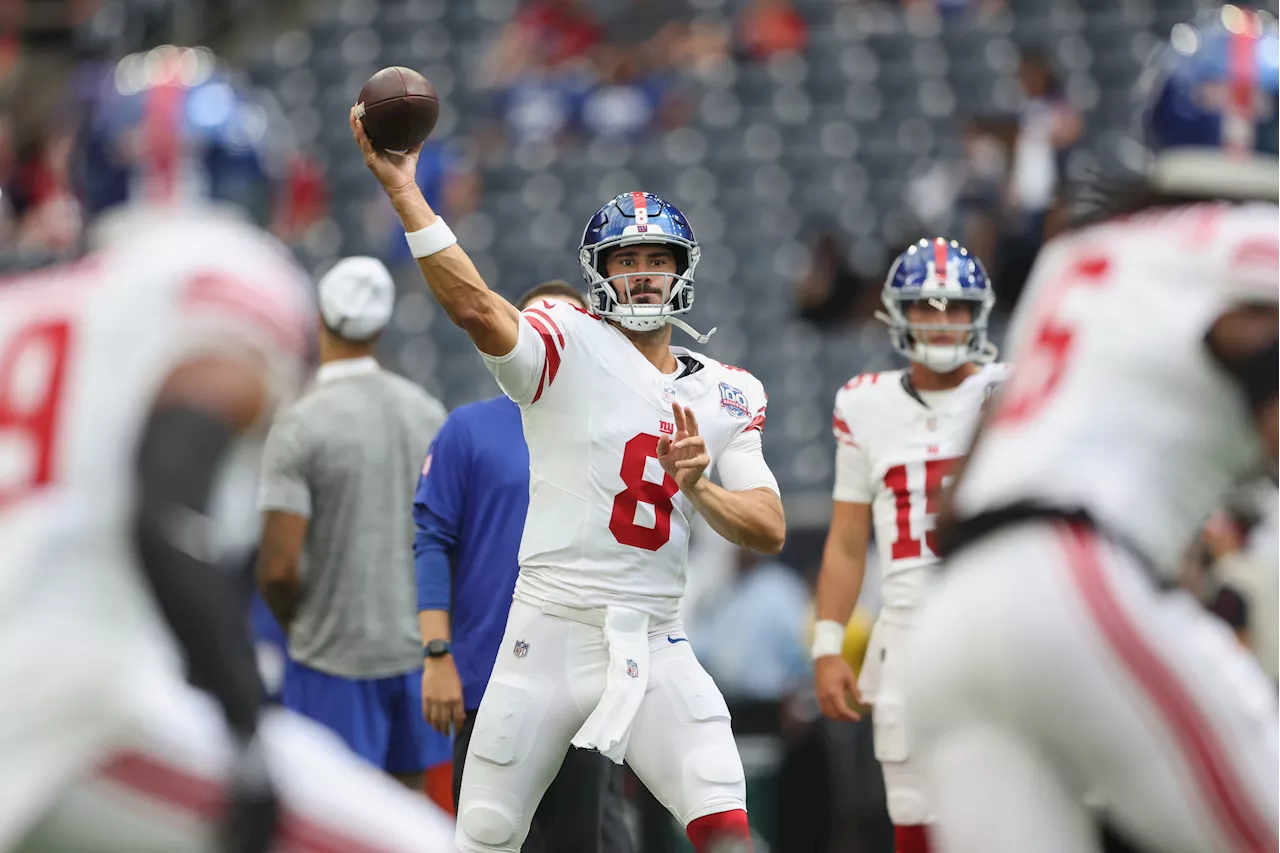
pixel 910 839
pixel 708 831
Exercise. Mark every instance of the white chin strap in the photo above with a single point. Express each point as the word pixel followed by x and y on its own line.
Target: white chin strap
pixel 689 330
pixel 651 324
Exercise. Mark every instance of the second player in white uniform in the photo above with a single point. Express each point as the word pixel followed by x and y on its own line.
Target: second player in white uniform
pixel 898 435
pixel 1057 663
pixel 621 427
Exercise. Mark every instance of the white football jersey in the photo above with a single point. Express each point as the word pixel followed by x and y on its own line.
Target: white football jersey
pixel 1117 407
pixel 83 348
pixel 606 524
pixel 895 448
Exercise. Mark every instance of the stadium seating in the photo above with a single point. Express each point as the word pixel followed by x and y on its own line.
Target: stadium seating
pixel 833 136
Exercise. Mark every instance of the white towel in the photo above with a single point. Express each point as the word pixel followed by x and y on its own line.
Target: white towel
pixel 607 729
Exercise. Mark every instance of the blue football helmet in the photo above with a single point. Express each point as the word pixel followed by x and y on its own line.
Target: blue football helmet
pixel 938 271
pixel 170 126
pixel 1209 115
pixel 627 220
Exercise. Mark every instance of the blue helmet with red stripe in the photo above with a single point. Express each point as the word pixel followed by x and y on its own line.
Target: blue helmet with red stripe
pixel 169 126
pixel 937 273
pixel 1210 117
pixel 639 218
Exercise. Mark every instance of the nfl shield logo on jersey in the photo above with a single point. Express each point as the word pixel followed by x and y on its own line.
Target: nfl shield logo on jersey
pixel 633 668
pixel 733 401
pixel 521 649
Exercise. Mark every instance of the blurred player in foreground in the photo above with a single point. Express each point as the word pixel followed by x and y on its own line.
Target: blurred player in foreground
pixel 1056 663
pixel 622 429
pixel 897 435
pixel 128 382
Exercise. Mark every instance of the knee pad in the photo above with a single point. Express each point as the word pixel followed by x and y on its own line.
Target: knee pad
pixel 906 807
pixel 488 822
pixel 713 773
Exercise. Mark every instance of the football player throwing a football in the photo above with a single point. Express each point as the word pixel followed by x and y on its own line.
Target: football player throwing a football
pixel 623 429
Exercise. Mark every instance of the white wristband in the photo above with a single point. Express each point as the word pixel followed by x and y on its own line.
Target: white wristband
pixel 436 237
pixel 828 638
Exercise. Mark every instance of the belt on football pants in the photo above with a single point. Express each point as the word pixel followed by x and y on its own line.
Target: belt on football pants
pixel 956 537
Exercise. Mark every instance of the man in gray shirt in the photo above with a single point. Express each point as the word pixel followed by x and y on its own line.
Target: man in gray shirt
pixel 336 561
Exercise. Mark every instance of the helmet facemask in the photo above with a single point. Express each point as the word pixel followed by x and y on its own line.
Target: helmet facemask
pixel 911 338
pixel 610 295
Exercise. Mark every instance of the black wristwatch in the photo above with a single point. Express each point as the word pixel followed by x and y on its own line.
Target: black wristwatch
pixel 437 649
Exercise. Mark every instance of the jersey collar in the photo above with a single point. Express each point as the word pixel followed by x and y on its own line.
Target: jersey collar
pixel 346 367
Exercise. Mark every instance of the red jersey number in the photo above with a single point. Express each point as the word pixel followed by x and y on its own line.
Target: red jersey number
pixel 33 368
pixel 1040 370
pixel 906 547
pixel 622 522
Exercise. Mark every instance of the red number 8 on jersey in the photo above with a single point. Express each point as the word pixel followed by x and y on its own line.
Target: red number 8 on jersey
pixel 622 521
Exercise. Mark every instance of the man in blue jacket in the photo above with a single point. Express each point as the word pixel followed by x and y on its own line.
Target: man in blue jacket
pixel 470 510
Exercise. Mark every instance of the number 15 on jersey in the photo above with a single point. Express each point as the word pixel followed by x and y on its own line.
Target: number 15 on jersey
pixel 904 482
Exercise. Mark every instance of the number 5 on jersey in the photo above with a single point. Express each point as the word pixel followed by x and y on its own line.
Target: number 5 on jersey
pixel 898 480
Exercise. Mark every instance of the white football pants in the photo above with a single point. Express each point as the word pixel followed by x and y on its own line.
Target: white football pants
pixel 881 683
pixel 1047 666
pixel 681 745
pixel 161 789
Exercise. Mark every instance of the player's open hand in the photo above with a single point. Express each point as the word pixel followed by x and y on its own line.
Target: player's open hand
pixel 396 172
pixel 835 684
pixel 684 455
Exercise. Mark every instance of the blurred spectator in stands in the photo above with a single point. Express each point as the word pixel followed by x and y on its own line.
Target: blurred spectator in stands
pixel 1232 570
pixel 631 98
pixel 653 31
pixel 831 293
pixel 666 35
pixel 449 182
pixel 7 161
pixel 1048 126
pixel 984 171
pixel 752 638
pixel 768 27
pixel 48 212
pixel 545 36
pixel 954 8
pixel 306 198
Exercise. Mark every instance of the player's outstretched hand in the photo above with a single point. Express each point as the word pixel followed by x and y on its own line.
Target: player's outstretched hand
pixel 396 172
pixel 684 455
pixel 835 683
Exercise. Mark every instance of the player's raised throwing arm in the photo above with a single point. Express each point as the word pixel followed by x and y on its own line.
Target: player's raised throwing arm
pixel 492 322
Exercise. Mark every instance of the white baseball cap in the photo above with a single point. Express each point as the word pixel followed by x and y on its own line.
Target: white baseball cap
pixel 356 297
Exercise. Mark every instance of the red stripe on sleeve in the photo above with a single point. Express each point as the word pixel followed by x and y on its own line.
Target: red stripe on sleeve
pixel 757 423
pixel 552 323
pixel 552 365
pixel 840 427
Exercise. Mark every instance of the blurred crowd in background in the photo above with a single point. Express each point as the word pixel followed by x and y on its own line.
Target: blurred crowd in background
pixel 808 140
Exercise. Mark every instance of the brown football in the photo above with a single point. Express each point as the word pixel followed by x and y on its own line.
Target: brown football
pixel 398 108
